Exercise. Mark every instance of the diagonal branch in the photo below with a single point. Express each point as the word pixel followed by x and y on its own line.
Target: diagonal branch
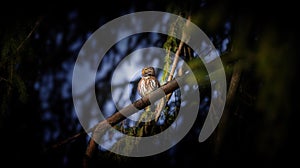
pixel 176 59
pixel 37 23
pixel 231 95
pixel 101 127
pixel 127 111
pixel 184 38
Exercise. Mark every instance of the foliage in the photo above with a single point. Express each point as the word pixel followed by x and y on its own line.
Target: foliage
pixel 11 65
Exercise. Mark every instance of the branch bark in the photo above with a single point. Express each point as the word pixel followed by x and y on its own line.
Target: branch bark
pixel 116 118
pixel 101 127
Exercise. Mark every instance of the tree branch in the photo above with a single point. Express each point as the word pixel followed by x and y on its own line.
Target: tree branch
pixel 121 115
pixel 5 80
pixel 175 62
pixel 165 100
pixel 231 94
pixel 101 127
pixel 37 23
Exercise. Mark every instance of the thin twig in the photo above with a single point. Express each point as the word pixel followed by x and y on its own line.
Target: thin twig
pixel 37 23
pixel 5 80
pixel 165 100
pixel 176 59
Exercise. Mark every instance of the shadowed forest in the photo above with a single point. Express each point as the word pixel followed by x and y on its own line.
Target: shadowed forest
pixel 257 46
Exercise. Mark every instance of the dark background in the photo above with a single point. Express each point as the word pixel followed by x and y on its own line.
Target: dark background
pixel 36 102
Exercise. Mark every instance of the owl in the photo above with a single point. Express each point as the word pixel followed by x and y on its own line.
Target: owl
pixel 148 82
pixel 146 85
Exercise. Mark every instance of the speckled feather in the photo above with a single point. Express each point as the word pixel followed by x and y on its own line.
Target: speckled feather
pixel 148 82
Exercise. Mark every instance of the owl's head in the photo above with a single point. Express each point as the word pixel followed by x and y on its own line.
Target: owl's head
pixel 148 71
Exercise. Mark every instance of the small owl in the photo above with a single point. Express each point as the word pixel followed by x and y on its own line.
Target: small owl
pixel 146 85
pixel 148 82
